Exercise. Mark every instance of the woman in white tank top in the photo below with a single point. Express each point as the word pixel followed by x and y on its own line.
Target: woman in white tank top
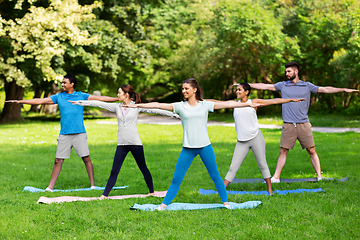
pixel 249 135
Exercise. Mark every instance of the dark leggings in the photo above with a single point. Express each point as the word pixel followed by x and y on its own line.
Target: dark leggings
pixel 138 153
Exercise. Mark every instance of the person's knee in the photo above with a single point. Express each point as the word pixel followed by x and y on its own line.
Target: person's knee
pixel 177 180
pixel 311 150
pixel 58 161
pixel 284 151
pixel 114 173
pixel 86 159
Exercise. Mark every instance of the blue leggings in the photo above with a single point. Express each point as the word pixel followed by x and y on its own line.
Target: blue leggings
pixel 186 157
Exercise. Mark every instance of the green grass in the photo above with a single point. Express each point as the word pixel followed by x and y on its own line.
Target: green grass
pixel 27 153
pixel 316 119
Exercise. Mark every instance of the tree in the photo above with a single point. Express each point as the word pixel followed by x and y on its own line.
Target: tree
pixel 33 40
pixel 325 30
pixel 121 55
pixel 249 45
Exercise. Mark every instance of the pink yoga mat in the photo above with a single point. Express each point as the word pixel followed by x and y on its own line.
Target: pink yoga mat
pixel 74 198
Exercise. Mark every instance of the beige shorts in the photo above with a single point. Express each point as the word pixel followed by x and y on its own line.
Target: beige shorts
pixel 76 141
pixel 301 131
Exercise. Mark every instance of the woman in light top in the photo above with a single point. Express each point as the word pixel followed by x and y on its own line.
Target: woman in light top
pixel 249 135
pixel 194 116
pixel 128 136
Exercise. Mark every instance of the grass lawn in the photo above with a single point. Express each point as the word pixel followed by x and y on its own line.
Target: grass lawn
pixel 316 119
pixel 27 152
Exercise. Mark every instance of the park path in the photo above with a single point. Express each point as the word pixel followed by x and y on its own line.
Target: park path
pixel 162 120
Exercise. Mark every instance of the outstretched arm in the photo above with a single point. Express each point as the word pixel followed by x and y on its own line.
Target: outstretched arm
pixel 35 101
pixel 165 106
pixel 267 102
pixel 94 103
pixel 234 104
pixel 103 98
pixel 262 86
pixel 335 90
pixel 213 100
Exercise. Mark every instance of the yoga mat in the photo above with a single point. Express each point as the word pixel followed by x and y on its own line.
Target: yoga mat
pixel 74 199
pixel 196 206
pixel 287 180
pixel 34 189
pixel 281 192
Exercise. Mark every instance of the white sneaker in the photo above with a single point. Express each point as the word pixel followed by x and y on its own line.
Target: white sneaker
pixel 93 188
pixel 48 190
pixel 275 180
pixel 227 206
pixel 319 179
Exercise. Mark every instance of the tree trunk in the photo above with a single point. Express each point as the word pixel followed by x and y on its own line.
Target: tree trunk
pixel 50 109
pixel 12 111
pixel 38 92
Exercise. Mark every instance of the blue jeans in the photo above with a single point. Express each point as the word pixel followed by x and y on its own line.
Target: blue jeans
pixel 186 157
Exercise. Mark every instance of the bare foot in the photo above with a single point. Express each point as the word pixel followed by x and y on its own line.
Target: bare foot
pixel 227 205
pixel 102 197
pixel 152 194
pixel 163 206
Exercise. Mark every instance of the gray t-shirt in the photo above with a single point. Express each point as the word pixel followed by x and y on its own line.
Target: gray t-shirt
pixel 296 112
pixel 194 121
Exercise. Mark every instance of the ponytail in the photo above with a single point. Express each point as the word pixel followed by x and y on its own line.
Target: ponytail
pixel 137 97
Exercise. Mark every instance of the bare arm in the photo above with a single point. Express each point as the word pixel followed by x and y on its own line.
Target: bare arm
pixel 335 90
pixel 35 101
pixel 267 102
pixel 234 104
pixel 165 106
pixel 213 100
pixel 262 86
pixel 103 98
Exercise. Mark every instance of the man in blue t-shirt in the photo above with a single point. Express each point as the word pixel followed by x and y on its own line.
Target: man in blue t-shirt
pixel 72 132
pixel 296 125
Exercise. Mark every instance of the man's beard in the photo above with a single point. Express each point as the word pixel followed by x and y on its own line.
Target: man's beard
pixel 291 77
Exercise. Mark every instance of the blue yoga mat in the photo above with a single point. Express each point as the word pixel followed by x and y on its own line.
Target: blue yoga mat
pixel 287 180
pixel 34 189
pixel 196 206
pixel 281 192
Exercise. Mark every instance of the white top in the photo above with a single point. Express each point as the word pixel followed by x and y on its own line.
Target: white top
pixel 246 123
pixel 194 122
pixel 127 129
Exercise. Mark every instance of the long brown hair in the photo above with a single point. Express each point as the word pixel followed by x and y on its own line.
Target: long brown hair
pixel 135 96
pixel 194 84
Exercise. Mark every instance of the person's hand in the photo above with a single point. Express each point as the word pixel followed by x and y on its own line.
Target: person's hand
pixel 298 99
pixel 254 105
pixel 73 102
pixel 351 90
pixel 12 101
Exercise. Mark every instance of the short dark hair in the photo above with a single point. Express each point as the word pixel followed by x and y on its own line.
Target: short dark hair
pixel 246 87
pixel 293 64
pixel 72 79
pixel 194 84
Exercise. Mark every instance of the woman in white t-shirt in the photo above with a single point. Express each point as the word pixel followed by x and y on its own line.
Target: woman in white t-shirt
pixel 194 115
pixel 249 135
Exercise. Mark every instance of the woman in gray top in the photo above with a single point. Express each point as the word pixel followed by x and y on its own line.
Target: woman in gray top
pixel 128 136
